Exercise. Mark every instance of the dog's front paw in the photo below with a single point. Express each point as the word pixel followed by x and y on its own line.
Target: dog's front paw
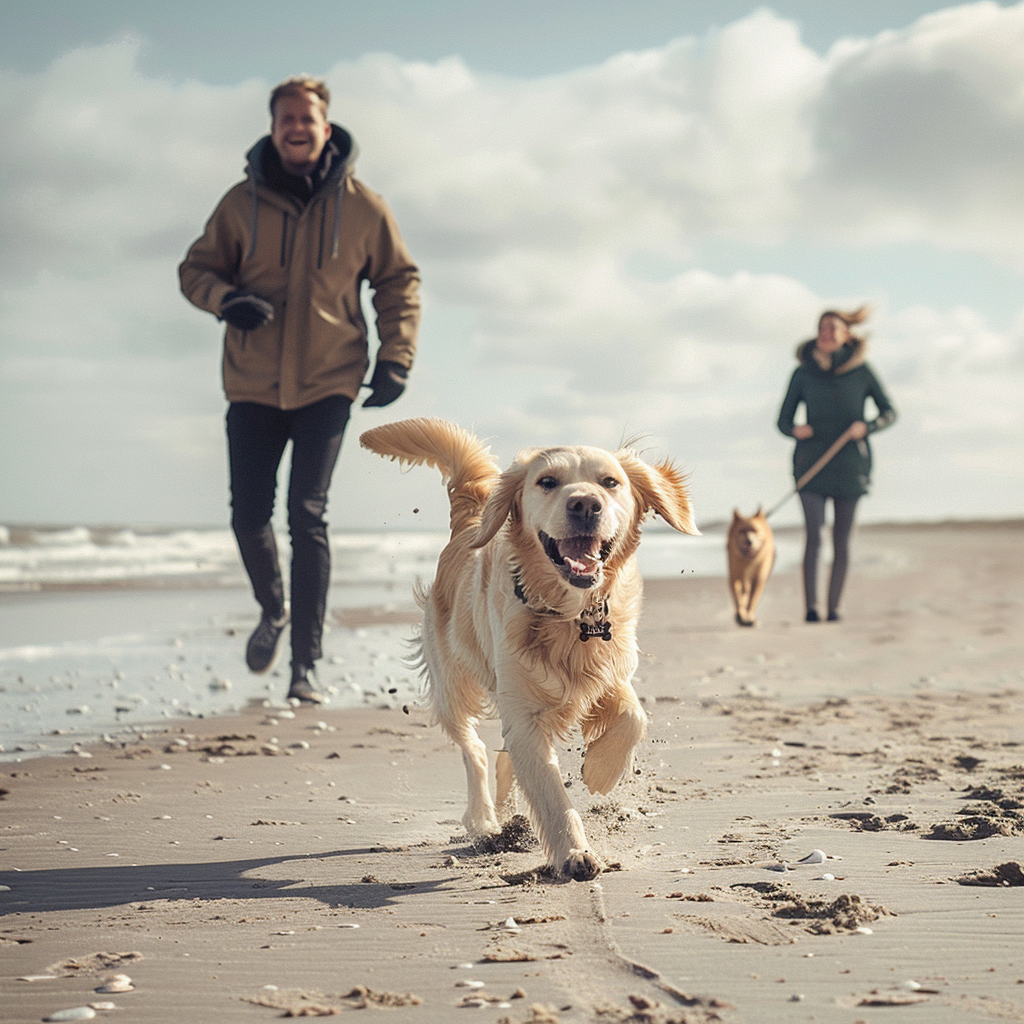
pixel 581 866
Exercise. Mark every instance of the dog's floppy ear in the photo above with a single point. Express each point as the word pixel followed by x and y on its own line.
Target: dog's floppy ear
pixel 660 489
pixel 502 500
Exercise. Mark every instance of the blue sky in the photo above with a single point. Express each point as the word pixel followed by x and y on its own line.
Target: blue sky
pixel 626 218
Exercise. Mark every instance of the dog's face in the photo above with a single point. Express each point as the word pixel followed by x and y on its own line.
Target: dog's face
pixel 579 509
pixel 748 535
pixel 577 504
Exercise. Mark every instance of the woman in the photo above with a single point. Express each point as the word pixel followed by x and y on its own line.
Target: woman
pixel 833 380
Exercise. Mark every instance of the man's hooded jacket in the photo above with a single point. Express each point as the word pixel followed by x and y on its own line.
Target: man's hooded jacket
pixel 306 246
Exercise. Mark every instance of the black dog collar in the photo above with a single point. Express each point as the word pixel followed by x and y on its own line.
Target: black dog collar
pixel 592 621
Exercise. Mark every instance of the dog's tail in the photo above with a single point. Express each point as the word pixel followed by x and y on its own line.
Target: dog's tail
pixel 466 464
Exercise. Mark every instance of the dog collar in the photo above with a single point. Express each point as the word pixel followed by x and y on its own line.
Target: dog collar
pixel 593 621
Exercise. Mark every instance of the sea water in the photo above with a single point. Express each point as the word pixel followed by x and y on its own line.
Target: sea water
pixel 108 631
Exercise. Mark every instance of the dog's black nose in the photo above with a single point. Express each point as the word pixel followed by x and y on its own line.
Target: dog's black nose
pixel 585 507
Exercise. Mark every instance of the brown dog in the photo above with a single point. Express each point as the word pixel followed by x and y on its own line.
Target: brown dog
pixel 751 550
pixel 532 615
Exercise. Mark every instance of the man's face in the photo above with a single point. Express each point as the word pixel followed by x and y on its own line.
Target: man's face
pixel 299 131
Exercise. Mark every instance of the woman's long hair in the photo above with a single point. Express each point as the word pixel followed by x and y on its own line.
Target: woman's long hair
pixel 851 318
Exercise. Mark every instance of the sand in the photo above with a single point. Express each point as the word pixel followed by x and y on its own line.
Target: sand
pixel 258 866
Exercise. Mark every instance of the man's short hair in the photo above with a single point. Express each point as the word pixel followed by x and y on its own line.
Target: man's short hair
pixel 298 85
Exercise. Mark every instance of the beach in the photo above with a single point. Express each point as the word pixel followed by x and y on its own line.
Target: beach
pixel 826 822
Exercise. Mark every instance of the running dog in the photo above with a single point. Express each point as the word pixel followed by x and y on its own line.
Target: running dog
pixel 532 616
pixel 750 546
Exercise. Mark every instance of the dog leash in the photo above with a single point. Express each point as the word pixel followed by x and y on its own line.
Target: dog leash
pixel 818 466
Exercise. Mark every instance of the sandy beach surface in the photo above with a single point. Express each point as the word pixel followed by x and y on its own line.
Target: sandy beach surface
pixel 826 824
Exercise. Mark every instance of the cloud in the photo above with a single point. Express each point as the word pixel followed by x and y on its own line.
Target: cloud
pixel 558 222
pixel 920 133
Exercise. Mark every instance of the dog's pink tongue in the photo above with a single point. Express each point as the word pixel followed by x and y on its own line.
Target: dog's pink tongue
pixel 580 555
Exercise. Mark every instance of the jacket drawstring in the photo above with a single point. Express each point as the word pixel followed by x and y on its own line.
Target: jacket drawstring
pixel 252 227
pixel 337 217
pixel 335 242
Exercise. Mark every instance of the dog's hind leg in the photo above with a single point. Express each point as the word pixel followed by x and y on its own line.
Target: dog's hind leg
pixel 618 724
pixel 480 818
pixel 505 775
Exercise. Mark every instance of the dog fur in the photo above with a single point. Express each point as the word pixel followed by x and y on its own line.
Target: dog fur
pixel 751 552
pixel 535 552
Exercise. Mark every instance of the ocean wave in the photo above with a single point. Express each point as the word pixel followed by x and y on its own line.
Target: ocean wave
pixel 81 557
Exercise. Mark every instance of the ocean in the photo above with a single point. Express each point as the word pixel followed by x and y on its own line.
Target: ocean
pixel 106 632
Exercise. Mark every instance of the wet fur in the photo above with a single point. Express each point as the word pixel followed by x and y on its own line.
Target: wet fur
pixel 751 551
pixel 485 652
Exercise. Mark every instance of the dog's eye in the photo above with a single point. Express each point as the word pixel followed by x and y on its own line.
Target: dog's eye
pixel 609 483
pixel 548 483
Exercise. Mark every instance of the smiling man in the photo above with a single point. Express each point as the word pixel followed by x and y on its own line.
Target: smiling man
pixel 282 262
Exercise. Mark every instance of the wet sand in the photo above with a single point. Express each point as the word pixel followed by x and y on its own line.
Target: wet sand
pixel 258 866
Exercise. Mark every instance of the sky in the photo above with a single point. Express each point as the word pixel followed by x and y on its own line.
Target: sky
pixel 626 218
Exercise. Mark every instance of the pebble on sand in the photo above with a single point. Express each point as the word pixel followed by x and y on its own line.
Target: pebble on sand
pixel 116 983
pixel 75 1013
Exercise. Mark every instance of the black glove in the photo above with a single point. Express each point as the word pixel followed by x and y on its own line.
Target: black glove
pixel 387 383
pixel 245 310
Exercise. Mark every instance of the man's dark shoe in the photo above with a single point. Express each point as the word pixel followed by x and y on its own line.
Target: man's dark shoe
pixel 833 617
pixel 305 688
pixel 265 643
pixel 812 616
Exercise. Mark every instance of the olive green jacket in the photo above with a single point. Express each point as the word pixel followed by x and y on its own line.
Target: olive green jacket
pixel 834 392
pixel 309 260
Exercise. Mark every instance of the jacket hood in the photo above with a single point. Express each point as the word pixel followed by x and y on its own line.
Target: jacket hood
pixel 852 354
pixel 335 166
pixel 341 150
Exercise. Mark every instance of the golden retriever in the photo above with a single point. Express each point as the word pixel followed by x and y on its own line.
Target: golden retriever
pixel 750 545
pixel 533 614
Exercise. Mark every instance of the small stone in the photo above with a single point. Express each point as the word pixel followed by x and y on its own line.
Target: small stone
pixel 814 857
pixel 468 983
pixel 116 983
pixel 75 1013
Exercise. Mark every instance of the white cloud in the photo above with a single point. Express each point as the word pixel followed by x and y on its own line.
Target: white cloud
pixel 556 221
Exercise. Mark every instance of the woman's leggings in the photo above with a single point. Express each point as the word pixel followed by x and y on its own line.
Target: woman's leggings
pixel 257 437
pixel 842 525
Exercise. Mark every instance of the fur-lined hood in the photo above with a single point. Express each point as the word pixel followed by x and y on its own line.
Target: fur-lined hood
pixel 852 354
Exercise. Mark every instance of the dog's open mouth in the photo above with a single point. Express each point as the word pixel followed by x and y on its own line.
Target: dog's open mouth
pixel 580 559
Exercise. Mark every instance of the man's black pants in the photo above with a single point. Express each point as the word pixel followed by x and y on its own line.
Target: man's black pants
pixel 257 436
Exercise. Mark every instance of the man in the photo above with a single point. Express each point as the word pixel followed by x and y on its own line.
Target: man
pixel 282 261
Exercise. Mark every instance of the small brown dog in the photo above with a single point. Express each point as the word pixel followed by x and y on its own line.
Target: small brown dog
pixel 532 616
pixel 751 549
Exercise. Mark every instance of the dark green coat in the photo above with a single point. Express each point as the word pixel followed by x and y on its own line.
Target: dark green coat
pixel 834 397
